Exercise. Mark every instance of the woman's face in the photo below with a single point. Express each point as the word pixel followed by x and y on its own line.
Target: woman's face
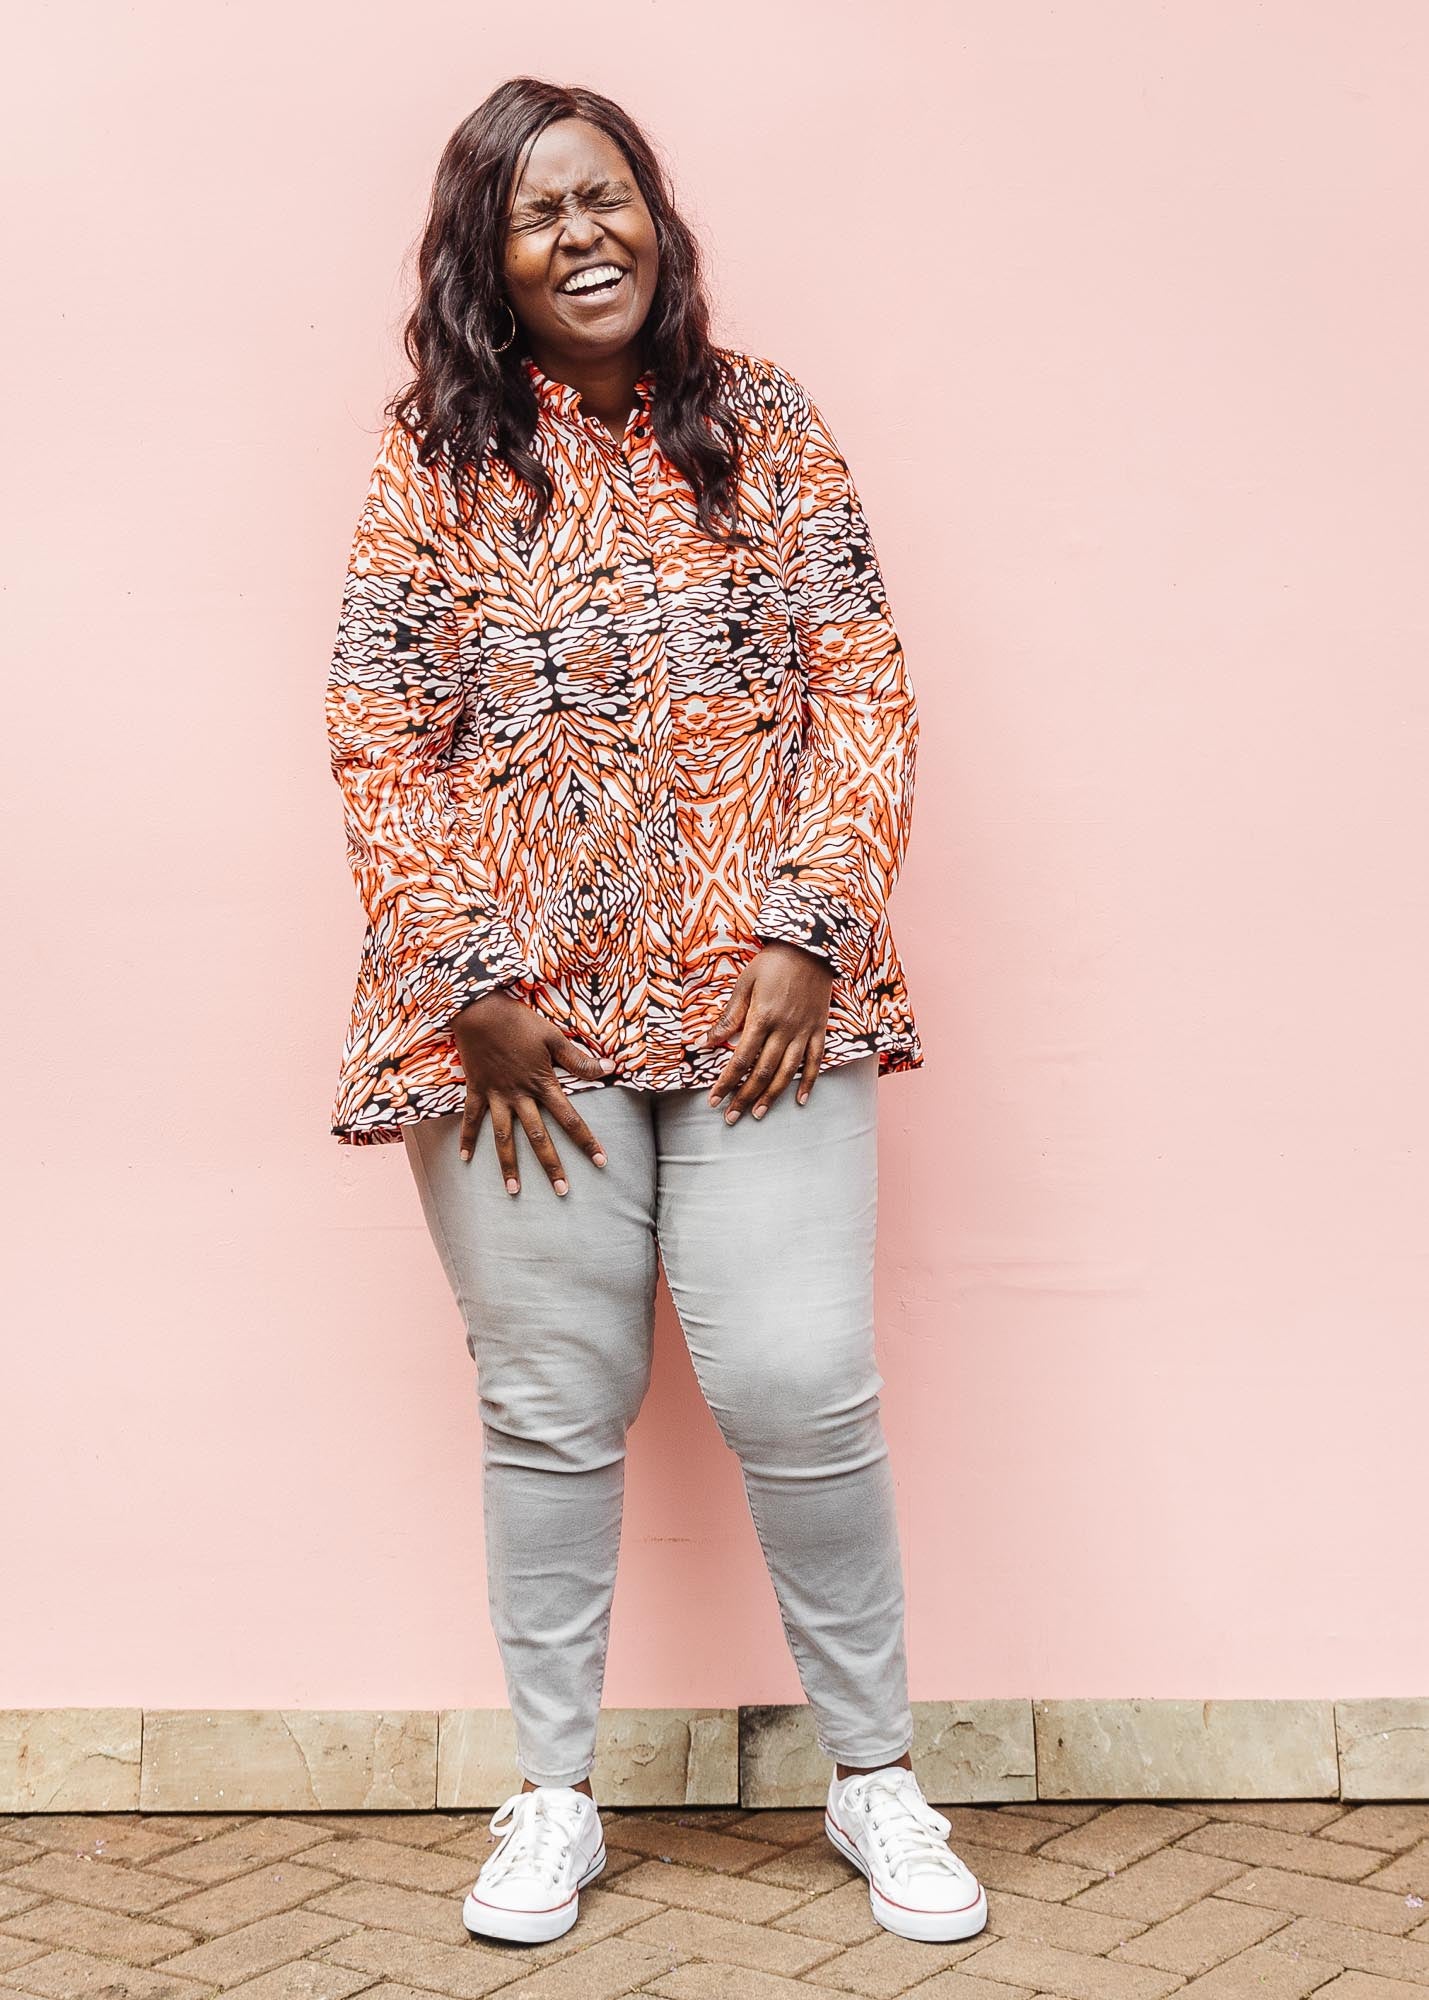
pixel 575 206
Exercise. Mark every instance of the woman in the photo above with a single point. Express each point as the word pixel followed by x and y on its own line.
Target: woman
pixel 626 746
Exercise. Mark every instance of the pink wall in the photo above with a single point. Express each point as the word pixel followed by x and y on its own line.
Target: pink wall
pixel 1119 312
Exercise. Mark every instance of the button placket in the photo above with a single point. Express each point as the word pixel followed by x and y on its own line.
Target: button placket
pixel 664 929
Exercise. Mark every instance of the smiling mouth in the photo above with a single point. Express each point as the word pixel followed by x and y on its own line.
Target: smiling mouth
pixel 602 281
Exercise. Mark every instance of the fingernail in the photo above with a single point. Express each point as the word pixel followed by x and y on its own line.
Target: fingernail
pixel 513 1187
pixel 466 1156
pixel 731 1117
pixel 599 1159
pixel 803 1096
pixel 560 1186
pixel 760 1109
pixel 607 1062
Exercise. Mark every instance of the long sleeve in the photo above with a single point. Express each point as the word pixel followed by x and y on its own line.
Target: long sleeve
pixel 848 834
pixel 393 703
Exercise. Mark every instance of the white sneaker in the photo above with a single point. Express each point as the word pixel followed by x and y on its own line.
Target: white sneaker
pixel 528 1891
pixel 917 1886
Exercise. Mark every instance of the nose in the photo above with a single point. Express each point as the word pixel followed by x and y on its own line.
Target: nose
pixel 581 228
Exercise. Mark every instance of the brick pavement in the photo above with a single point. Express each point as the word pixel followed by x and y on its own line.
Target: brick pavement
pixel 1214 1901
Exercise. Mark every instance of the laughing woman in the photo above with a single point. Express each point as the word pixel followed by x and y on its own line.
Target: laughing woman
pixel 625 740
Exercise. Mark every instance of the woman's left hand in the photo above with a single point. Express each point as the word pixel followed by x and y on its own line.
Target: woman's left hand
pixel 780 1010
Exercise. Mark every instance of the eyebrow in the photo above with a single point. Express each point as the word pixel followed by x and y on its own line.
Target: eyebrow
pixel 549 199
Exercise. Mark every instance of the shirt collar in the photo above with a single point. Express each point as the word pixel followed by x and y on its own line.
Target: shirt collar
pixel 565 401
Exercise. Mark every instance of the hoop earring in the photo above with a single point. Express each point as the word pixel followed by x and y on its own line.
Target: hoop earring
pixel 510 336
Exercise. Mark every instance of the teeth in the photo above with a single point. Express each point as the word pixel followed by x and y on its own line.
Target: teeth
pixel 598 274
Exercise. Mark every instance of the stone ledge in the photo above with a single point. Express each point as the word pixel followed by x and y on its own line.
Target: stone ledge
pixel 1187 1749
pixel 975 1752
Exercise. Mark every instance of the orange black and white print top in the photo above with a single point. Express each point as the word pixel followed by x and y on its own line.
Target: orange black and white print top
pixel 600 767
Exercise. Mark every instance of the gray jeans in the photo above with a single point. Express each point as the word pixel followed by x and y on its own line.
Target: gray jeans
pixel 766 1232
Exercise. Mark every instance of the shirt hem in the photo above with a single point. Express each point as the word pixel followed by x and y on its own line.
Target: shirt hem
pixel 385 1127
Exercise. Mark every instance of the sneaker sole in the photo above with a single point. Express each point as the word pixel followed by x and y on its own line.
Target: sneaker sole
pixel 922 1926
pixel 528 1926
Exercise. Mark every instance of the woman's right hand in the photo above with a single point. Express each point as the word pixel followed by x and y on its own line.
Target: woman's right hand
pixel 509 1052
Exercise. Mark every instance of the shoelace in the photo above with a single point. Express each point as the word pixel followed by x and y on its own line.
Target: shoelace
pixel 911 1834
pixel 541 1829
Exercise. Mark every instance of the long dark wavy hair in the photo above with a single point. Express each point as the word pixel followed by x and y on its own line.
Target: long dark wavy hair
pixel 473 398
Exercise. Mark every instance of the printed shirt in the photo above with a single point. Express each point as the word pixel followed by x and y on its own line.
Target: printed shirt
pixel 600 766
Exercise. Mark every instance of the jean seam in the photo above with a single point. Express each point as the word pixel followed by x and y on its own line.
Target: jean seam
pixel 796 1647
pixel 453 1266
pixel 445 1250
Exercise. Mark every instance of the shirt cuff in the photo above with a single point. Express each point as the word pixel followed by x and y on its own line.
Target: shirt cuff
pixel 486 958
pixel 795 912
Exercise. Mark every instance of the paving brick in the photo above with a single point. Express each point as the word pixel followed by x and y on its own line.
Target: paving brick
pixel 457 1971
pixel 386 1989
pixel 694 1845
pixel 1064 1810
pixel 1367 1986
pixel 109 1933
pixel 812 1868
pixel 1123 1834
pixel 1085 1903
pixel 110 1836
pixel 1055 1809
pixel 187 1827
pixel 698 1889
pixel 1160 1886
pixel 956 1985
pixel 713 1982
pixel 886 1964
pixel 254 1844
pixel 617 1863
pixel 843 1916
pixel 1313 1896
pixel 255 1948
pixel 614 1966
pixel 404 1866
pixel 1064 1924
pixel 1285 1815
pixel 1408 1873
pixel 74 1975
pixel 990 1828
pixel 1071 1975
pixel 305 1979
pixel 386 1908
pixel 248 1897
pixel 1197 1939
pixel 1264 1847
pixel 1024 1874
pixel 1261 1974
pixel 696 1935
pixel 414 1829
pixel 786 1825
pixel 1391 1826
pixel 108 1885
pixel 1363 1951
pixel 602 1915
pixel 474 1842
